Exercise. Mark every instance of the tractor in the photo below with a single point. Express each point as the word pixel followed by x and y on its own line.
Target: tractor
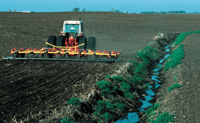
pixel 70 45
pixel 72 35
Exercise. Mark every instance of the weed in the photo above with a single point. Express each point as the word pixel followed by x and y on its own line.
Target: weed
pixel 74 101
pixel 107 116
pixel 133 62
pixel 114 89
pixel 106 104
pixel 141 70
pixel 105 87
pixel 175 79
pixel 118 78
pixel 107 76
pixel 152 108
pixel 137 80
pixel 125 86
pixel 129 95
pixel 176 85
pixel 151 114
pixel 66 120
pixel 152 42
pixel 119 106
pixel 163 118
pixel 103 84
pixel 146 86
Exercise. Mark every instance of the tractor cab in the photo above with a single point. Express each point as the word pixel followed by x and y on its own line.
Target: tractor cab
pixel 72 28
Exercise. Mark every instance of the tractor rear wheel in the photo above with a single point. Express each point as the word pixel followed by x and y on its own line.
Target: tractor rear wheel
pixel 51 40
pixel 59 41
pixel 91 43
pixel 82 40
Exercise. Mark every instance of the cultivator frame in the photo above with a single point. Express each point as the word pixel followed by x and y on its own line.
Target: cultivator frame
pixel 63 53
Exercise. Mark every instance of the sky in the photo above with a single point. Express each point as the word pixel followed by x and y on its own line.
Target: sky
pixel 132 6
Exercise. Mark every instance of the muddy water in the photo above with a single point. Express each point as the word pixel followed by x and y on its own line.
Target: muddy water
pixel 133 117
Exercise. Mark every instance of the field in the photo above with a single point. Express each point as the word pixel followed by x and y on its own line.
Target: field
pixel 43 86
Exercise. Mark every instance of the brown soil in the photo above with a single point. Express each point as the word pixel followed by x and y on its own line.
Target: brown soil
pixel 40 87
pixel 37 86
pixel 127 33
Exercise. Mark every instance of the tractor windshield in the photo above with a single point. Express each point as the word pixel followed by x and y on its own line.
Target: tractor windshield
pixel 72 28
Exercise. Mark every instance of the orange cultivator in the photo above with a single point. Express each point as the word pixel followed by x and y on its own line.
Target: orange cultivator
pixel 70 45
pixel 63 53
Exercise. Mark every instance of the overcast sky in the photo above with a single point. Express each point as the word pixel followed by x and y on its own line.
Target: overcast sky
pixel 100 5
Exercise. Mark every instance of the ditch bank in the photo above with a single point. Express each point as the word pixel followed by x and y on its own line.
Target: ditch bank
pixel 170 104
pixel 119 94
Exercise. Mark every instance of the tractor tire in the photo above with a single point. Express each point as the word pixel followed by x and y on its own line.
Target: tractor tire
pixel 82 40
pixel 60 41
pixel 51 40
pixel 91 43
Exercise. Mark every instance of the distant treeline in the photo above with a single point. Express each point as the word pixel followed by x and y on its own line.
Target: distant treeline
pixel 164 12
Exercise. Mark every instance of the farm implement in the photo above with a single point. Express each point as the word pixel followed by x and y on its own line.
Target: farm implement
pixel 71 45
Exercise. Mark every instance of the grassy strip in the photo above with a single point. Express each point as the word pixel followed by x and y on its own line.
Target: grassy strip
pixel 175 58
pixel 181 36
pixel 176 85
pixel 151 110
pixel 161 117
pixel 178 54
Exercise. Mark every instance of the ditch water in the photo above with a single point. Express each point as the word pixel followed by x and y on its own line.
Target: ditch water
pixel 133 117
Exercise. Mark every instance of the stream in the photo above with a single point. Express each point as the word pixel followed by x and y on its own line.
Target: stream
pixel 133 117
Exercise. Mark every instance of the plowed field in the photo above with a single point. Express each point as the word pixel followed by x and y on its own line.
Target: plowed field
pixel 42 86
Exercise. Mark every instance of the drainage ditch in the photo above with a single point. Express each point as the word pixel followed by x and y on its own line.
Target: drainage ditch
pixel 121 98
pixel 150 93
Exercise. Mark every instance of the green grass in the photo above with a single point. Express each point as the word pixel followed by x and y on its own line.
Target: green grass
pixel 140 70
pixel 74 101
pixel 66 120
pixel 105 87
pixel 118 79
pixel 160 35
pixel 107 117
pixel 175 58
pixel 146 86
pixel 107 104
pixel 181 36
pixel 176 85
pixel 163 118
pixel 151 109
pixel 178 54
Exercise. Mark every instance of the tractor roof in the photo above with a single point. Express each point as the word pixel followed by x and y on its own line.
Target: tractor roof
pixel 72 22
